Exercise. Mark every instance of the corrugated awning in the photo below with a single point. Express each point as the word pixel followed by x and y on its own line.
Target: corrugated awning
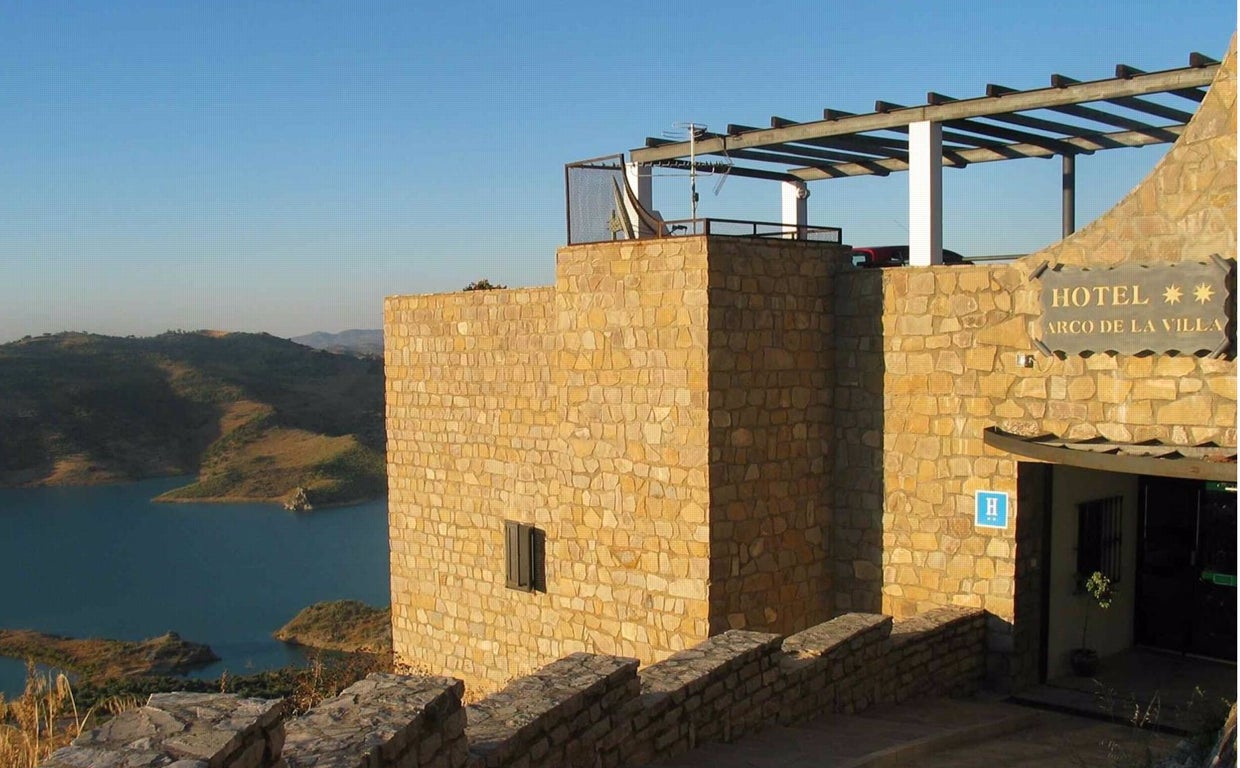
pixel 1207 461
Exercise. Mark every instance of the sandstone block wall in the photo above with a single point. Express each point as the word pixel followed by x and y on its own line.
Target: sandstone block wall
pixel 915 391
pixel 633 484
pixel 471 424
pixel 771 372
pixel 660 415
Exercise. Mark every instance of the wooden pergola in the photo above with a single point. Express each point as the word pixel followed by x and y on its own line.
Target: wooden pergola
pixel 1069 118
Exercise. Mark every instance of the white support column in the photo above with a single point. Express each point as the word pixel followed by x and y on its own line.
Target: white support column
pixel 925 194
pixel 795 196
pixel 641 182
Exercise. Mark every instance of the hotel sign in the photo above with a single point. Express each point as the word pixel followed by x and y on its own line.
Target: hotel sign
pixel 1187 307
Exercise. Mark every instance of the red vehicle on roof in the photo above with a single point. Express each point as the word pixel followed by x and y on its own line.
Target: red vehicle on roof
pixel 894 256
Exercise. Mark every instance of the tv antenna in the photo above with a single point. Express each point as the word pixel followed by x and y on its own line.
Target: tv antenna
pixel 694 132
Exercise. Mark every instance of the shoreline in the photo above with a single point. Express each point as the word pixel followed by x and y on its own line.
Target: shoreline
pixel 275 502
pixel 203 500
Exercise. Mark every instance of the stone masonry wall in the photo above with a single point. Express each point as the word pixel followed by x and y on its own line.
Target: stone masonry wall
pixel 471 424
pixel 183 729
pixel 659 415
pixel 583 710
pixel 915 394
pixel 632 480
pixel 770 441
pixel 585 416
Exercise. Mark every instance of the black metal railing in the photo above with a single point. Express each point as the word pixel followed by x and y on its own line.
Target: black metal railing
pixel 746 228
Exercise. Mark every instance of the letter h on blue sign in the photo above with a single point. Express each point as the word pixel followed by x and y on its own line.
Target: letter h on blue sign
pixel 991 509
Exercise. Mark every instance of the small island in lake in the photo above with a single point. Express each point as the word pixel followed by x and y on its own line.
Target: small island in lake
pixel 99 659
pixel 341 625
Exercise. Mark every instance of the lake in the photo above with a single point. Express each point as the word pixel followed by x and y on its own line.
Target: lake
pixel 106 561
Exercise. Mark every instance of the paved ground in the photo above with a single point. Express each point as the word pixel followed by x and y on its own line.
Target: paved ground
pixel 935 733
pixel 1176 692
pixel 1061 723
pixel 1056 740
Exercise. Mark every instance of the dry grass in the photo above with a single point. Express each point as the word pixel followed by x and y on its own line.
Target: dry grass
pixel 325 679
pixel 238 413
pixel 45 718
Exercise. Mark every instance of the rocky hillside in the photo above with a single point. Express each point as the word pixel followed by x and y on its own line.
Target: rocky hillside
pixel 98 659
pixel 341 625
pixel 253 416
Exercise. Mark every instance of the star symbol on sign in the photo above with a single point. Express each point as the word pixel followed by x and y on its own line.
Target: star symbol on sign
pixel 1203 293
pixel 1172 294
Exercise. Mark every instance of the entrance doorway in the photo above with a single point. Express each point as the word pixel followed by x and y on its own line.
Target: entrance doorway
pixel 1186 567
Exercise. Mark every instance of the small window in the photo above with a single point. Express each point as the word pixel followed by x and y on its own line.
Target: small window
pixel 519 555
pixel 1099 524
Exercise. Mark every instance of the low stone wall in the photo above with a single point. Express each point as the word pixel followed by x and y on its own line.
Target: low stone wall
pixel 555 716
pixel 583 710
pixel 384 720
pixel 188 730
pixel 739 682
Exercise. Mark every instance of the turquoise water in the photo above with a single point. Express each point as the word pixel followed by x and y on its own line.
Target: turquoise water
pixel 105 561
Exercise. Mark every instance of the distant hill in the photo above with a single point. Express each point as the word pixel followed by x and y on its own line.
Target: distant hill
pixel 353 342
pixel 254 416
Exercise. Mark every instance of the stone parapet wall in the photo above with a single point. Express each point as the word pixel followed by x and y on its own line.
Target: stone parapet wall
pixel 555 717
pixel 384 720
pixel 583 710
pixel 188 730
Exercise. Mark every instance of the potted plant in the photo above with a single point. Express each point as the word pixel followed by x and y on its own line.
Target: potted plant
pixel 1099 589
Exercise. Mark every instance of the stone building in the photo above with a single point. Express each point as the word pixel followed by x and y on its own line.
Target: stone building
pixel 695 433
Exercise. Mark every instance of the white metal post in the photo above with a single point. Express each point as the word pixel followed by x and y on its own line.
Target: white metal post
pixel 925 194
pixel 795 196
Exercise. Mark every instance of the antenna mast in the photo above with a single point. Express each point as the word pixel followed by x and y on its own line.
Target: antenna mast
pixel 694 130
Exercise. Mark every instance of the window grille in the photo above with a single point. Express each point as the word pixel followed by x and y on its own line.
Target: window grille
pixel 1099 526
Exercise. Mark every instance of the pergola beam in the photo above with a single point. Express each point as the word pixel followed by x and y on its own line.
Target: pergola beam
pixel 976 126
pixel 1152 108
pixel 960 138
pixel 884 146
pixel 785 154
pixel 1044 98
pixel 731 170
pixel 987 155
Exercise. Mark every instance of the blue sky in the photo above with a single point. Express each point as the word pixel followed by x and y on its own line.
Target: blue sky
pixel 284 166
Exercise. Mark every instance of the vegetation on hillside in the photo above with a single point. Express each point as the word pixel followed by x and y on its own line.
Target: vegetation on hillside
pixel 100 659
pixel 254 416
pixel 341 625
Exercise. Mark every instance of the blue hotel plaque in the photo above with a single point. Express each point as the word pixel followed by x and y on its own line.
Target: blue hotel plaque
pixel 991 509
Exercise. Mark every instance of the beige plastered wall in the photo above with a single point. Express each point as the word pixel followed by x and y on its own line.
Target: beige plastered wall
pixel 1111 630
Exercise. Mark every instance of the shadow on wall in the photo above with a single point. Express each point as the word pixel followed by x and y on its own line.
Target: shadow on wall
pixel 859 493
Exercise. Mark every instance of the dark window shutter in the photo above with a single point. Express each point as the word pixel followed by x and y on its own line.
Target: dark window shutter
pixel 518 556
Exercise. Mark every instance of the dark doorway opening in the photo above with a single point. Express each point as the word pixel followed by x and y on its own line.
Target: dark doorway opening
pixel 1186 567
